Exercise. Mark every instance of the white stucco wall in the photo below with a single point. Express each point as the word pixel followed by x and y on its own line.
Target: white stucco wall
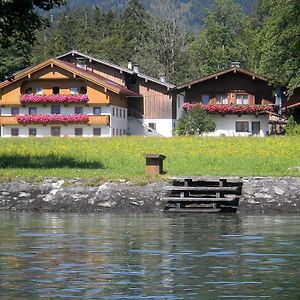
pixel 65 130
pixel 226 125
pixel 118 122
pixel 163 126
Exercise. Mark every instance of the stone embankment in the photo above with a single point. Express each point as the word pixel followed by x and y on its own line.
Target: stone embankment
pixel 261 195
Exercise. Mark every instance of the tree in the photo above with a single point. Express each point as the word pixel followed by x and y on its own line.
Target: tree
pixel 221 40
pixel 166 49
pixel 278 43
pixel 134 30
pixel 194 121
pixel 18 23
pixel 19 19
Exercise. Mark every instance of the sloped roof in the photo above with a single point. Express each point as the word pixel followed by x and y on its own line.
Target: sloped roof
pixel 120 68
pixel 88 75
pixel 212 76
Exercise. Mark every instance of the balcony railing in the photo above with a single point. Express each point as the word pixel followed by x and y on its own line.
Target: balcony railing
pixel 54 98
pixel 8 120
pixel 55 119
pixel 52 119
pixel 99 120
pixel 230 109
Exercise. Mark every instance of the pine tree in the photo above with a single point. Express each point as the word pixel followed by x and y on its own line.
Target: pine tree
pixel 221 40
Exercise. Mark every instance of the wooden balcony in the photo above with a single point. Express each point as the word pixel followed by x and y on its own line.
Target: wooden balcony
pixel 99 120
pixel 93 120
pixel 8 120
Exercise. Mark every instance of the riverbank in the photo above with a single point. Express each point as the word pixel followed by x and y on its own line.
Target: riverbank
pixel 261 195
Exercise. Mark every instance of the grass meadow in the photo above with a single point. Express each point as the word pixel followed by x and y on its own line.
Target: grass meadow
pixel 115 158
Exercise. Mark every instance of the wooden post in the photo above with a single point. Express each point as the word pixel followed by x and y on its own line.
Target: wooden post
pixel 154 164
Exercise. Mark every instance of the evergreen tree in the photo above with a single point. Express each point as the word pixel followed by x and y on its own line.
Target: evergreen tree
pixel 134 30
pixel 278 42
pixel 221 40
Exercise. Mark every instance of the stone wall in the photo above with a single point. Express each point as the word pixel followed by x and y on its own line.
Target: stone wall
pixel 260 195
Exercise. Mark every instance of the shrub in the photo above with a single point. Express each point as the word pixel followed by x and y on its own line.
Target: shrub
pixel 292 128
pixel 194 122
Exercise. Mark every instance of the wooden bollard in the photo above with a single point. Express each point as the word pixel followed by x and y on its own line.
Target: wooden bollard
pixel 154 164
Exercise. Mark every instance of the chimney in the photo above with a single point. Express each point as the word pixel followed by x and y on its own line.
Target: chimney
pixel 135 69
pixel 162 78
pixel 235 64
pixel 130 65
pixel 81 62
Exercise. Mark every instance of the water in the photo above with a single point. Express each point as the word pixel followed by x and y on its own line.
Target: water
pixel 143 256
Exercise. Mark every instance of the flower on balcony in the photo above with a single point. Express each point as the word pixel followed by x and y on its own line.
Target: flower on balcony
pixel 55 98
pixel 231 109
pixel 48 119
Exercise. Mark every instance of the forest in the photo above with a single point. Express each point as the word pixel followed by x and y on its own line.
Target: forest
pixel 181 40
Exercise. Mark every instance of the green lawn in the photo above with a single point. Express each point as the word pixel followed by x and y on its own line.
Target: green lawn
pixel 123 157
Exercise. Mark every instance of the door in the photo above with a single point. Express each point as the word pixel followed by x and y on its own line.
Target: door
pixel 55 131
pixel 255 128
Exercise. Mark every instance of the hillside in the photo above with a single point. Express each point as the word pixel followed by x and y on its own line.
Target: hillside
pixel 196 17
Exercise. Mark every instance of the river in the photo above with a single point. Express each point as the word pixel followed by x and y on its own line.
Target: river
pixel 147 256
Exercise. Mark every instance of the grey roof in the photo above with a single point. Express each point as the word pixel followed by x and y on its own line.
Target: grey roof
pixel 123 69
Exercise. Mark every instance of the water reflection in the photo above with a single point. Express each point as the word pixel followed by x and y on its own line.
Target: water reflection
pixel 146 256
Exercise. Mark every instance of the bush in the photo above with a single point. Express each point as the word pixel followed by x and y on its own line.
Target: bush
pixel 292 127
pixel 194 122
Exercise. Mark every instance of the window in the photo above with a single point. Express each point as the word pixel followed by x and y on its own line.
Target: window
pixel 78 110
pixel 32 110
pixel 28 91
pixel 153 126
pixel 15 132
pixel 14 111
pixel 113 111
pixel 124 132
pixel 204 99
pixel 124 113
pixel 97 131
pixel 73 90
pixel 117 131
pixel 221 99
pixel 55 90
pixel 255 127
pixel 258 100
pixel 241 126
pixel 55 131
pixel 113 131
pixel 97 110
pixel 117 112
pixel 39 91
pixel 32 131
pixel 82 90
pixel 242 99
pixel 78 131
pixel 55 109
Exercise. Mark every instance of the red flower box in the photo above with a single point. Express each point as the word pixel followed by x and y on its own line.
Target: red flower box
pixel 57 98
pixel 231 109
pixel 52 119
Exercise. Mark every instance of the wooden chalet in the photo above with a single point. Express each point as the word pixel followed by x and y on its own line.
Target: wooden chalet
pixel 238 100
pixel 150 110
pixel 57 98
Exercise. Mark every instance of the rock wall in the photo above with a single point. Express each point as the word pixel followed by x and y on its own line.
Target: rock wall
pixel 260 195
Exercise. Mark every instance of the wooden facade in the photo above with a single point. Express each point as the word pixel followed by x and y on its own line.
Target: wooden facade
pixel 232 87
pixel 153 103
pixel 54 78
pixel 291 105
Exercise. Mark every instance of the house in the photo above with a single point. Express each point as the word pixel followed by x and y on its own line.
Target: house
pixel 238 100
pixel 57 98
pixel 151 110
pixel 291 105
